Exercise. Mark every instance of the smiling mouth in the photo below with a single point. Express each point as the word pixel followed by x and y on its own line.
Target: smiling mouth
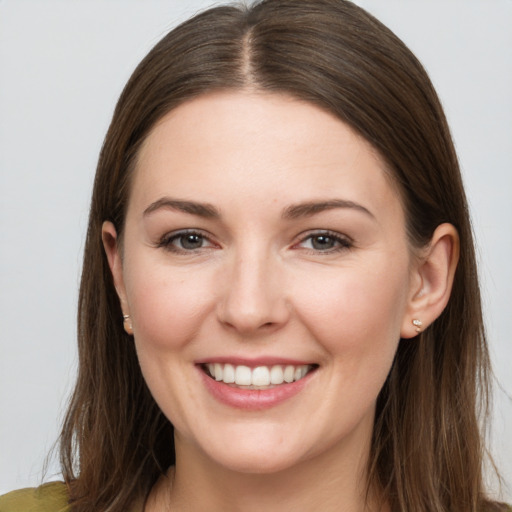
pixel 260 377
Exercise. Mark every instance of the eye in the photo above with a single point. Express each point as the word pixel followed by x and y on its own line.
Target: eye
pixel 185 241
pixel 325 241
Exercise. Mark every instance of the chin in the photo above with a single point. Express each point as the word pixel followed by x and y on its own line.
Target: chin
pixel 258 464
pixel 254 459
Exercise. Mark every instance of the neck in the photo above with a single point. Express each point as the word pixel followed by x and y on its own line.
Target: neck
pixel 331 482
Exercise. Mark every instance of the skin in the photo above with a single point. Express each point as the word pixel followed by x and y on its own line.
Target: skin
pixel 261 284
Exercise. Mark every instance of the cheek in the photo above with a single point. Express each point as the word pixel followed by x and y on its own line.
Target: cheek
pixel 356 318
pixel 167 310
pixel 167 307
pixel 355 310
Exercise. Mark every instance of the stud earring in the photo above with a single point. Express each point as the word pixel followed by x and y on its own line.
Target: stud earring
pixel 127 324
pixel 417 323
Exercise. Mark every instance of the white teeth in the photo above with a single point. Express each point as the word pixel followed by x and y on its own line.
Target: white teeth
pixel 261 376
pixel 229 374
pixel 243 376
pixel 276 375
pixel 289 373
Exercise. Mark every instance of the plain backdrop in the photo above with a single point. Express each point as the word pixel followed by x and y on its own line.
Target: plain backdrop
pixel 63 64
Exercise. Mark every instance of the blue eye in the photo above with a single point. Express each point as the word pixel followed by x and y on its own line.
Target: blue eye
pixel 325 241
pixel 185 241
pixel 190 241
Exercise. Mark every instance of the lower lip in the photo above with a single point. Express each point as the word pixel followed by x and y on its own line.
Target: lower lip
pixel 253 399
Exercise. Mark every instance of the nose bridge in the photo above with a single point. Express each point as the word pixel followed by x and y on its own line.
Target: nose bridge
pixel 254 296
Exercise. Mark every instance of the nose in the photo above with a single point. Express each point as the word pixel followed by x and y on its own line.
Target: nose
pixel 254 296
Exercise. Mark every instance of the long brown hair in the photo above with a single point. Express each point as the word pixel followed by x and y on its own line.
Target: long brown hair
pixel 426 450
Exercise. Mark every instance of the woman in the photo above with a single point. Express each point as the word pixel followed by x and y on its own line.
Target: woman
pixel 279 306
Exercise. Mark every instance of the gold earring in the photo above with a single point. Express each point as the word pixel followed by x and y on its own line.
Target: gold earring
pixel 417 323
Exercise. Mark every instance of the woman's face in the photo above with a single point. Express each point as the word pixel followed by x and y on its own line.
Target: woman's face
pixel 264 244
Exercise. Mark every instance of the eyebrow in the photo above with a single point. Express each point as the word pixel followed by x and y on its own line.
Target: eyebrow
pixel 294 211
pixel 311 208
pixel 200 209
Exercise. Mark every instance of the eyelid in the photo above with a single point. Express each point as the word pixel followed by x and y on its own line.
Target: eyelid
pixel 166 240
pixel 344 242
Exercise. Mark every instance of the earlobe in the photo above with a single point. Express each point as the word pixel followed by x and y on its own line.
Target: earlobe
pixel 112 251
pixel 433 281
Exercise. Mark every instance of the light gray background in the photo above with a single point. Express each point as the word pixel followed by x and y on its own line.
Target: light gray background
pixel 62 66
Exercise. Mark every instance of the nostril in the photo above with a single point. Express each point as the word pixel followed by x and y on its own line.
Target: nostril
pixel 249 311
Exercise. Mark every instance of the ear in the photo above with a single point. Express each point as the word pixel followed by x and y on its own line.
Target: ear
pixel 432 281
pixel 113 252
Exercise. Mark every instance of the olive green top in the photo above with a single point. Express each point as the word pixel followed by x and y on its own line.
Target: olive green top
pixel 53 497
pixel 50 497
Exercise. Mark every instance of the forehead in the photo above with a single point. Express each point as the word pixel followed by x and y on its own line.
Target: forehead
pixel 241 146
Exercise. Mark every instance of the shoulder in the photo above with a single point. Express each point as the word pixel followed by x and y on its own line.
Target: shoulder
pixel 50 497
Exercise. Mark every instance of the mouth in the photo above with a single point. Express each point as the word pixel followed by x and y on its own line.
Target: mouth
pixel 258 377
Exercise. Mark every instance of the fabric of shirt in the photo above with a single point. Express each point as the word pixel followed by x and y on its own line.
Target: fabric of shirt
pixel 53 497
pixel 50 497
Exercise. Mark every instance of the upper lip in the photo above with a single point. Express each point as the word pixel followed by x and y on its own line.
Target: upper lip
pixel 252 362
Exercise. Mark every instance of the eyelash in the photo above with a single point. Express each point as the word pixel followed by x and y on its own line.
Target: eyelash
pixel 167 241
pixel 342 242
